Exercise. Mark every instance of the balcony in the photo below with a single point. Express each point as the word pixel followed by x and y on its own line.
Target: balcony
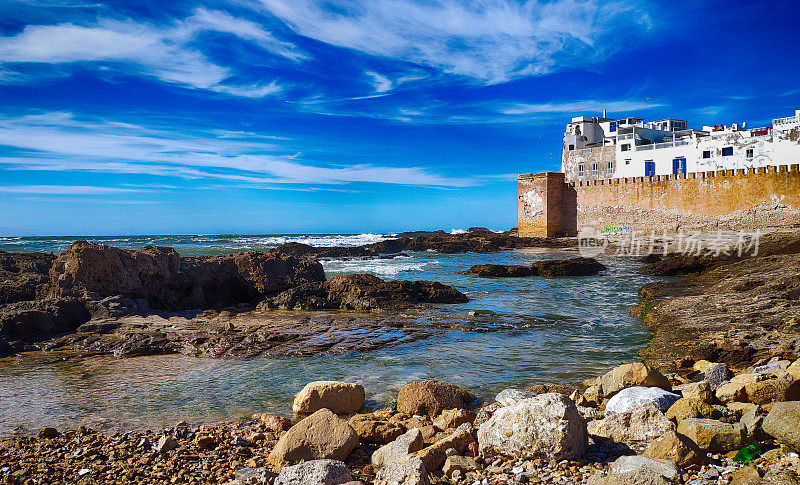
pixel 784 121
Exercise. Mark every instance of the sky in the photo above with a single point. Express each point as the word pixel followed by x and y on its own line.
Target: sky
pixel 287 116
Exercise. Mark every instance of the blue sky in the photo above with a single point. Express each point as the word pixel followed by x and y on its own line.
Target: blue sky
pixel 263 116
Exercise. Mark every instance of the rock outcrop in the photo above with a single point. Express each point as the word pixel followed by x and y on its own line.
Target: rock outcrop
pixel 23 275
pixel 364 292
pixel 171 282
pixel 546 268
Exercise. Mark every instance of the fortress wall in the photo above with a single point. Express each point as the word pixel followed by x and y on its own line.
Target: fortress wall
pixel 765 198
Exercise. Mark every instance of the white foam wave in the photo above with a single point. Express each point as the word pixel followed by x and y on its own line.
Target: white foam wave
pixel 458 231
pixel 377 267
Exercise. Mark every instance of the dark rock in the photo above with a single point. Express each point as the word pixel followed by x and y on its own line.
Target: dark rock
pixel 548 268
pixel 41 318
pixel 365 292
pixel 479 229
pixel 717 374
pixel 21 274
pixel 171 282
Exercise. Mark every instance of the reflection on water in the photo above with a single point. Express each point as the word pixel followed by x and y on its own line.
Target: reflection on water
pixel 581 329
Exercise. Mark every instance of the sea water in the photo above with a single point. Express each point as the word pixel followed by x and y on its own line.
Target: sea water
pixel 545 330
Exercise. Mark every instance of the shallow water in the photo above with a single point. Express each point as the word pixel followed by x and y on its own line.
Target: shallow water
pixel 557 330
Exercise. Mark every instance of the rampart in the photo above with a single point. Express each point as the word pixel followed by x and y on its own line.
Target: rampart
pixel 757 198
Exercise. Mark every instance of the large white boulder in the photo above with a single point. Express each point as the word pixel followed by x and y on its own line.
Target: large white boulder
pixel 547 425
pixel 633 397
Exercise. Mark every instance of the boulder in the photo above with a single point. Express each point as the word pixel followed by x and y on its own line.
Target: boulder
pixel 640 425
pixel 433 456
pixel 782 388
pixel 677 448
pixel 547 425
pixel 753 421
pixel 463 464
pixel 794 369
pixel 650 466
pixel 700 391
pixel 730 392
pixel 373 429
pixel 633 397
pixel 364 292
pixel 339 397
pixel 689 408
pixel 545 388
pixel 431 398
pixel 452 418
pixel 641 477
pixel 783 423
pixel 507 397
pixel 714 436
pixel 321 435
pixel 632 375
pixel 717 374
pixel 315 472
pixel 398 449
pixel 409 471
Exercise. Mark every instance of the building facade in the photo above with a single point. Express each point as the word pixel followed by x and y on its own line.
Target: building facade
pixel 598 148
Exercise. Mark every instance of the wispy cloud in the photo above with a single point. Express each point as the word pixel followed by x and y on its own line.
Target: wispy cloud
pixel 577 107
pixel 491 41
pixel 169 53
pixel 60 142
pixel 65 189
pixel 381 83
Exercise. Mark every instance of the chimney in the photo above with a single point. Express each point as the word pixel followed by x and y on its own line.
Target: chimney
pixel 604 112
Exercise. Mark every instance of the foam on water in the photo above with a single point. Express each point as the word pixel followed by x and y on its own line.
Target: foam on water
pixel 405 267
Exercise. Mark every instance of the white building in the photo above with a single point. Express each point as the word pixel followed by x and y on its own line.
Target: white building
pixel 602 148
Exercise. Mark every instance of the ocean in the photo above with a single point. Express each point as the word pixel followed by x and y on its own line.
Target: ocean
pixel 544 330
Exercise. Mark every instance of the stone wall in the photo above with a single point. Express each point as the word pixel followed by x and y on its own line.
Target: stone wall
pixel 760 198
pixel 766 197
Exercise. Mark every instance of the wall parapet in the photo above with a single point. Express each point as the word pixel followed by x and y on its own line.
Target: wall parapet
pixel 742 172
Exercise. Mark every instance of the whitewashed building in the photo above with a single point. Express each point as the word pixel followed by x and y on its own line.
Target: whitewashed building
pixel 603 148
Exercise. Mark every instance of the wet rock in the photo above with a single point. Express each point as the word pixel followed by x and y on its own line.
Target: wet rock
pixel 431 398
pixel 643 464
pixel 433 456
pixel 714 436
pixel 783 423
pixel 677 448
pixel 365 292
pixel 171 282
pixel 315 472
pixel 548 425
pixel 409 471
pixel 640 425
pixel 689 408
pixel 399 449
pixel 633 397
pixel 452 418
pixel 463 464
pixel 339 397
pixel 507 397
pixel 373 429
pixel 321 435
pixel 547 268
pixel 632 375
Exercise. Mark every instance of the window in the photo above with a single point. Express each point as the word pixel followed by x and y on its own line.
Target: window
pixel 613 126
pixel 727 151
pixel 581 170
pixel 749 153
pixel 572 147
pixel 627 161
pixel 626 147
pixel 649 168
pixel 706 153
pixel 610 166
pixel 678 165
pixel 595 168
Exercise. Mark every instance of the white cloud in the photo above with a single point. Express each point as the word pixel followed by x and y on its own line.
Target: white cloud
pixel 491 41
pixel 64 189
pixel 168 53
pixel 578 107
pixel 60 142
pixel 382 84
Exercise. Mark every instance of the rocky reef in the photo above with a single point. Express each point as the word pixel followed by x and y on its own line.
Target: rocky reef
pixel 546 268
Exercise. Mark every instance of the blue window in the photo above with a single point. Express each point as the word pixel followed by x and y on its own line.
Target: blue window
pixel 649 168
pixel 727 151
pixel 678 165
pixel 706 153
pixel 613 126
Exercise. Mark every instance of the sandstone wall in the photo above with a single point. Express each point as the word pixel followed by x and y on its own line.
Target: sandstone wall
pixel 546 205
pixel 766 197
